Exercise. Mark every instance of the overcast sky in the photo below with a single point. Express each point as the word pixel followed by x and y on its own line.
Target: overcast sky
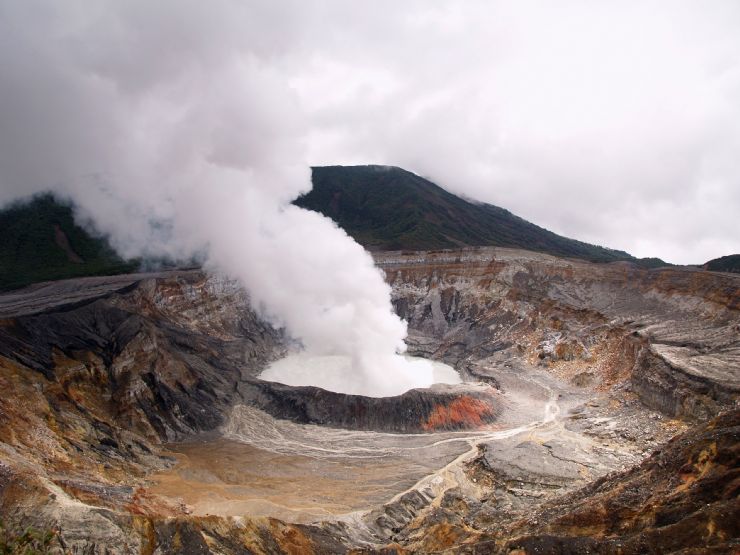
pixel 617 123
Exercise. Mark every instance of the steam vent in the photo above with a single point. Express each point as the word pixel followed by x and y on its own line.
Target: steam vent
pixel 596 413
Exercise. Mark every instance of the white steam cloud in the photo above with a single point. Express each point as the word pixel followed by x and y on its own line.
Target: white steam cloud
pixel 146 113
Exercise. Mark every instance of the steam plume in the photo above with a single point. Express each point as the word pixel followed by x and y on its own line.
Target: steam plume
pixel 167 125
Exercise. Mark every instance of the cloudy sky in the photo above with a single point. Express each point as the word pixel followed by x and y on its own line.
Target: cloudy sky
pixel 613 122
pixel 616 123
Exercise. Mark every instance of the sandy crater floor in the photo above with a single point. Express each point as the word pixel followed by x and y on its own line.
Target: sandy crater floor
pixel 300 473
pixel 261 466
pixel 230 478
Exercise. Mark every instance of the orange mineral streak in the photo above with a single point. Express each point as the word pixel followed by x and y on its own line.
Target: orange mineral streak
pixel 464 411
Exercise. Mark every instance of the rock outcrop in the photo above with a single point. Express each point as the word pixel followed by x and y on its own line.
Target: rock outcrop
pixel 682 499
pixel 442 407
pixel 674 332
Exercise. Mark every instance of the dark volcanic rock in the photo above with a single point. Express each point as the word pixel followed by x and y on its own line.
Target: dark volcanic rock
pixel 672 390
pixel 165 353
pixel 419 410
pixel 94 327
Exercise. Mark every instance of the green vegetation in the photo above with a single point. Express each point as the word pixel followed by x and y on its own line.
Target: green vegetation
pixel 387 208
pixel 27 542
pixel 40 242
pixel 382 208
pixel 730 263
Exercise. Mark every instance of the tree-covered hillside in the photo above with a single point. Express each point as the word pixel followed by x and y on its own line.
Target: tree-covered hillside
pixel 383 208
pixel 387 208
pixel 40 241
pixel 729 263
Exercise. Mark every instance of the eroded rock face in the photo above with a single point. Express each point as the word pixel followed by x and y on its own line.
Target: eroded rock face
pixel 160 357
pixel 684 496
pixel 675 332
pixel 99 373
pixel 93 386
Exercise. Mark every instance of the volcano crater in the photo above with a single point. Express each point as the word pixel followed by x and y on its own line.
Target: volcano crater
pixel 135 402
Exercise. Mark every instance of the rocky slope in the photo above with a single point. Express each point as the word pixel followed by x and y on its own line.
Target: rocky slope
pixel 632 339
pixel 675 333
pixel 681 499
pixel 121 392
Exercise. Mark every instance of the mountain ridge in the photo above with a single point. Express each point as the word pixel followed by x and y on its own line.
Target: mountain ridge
pixel 729 263
pixel 381 207
pixel 389 208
